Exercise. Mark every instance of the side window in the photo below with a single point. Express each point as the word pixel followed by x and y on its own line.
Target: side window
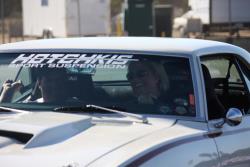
pixel 234 75
pixel 225 88
pixel 224 68
pixel 217 67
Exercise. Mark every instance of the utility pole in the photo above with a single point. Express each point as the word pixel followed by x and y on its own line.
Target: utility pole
pixel 2 20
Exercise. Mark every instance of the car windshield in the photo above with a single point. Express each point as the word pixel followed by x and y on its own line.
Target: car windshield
pixel 136 83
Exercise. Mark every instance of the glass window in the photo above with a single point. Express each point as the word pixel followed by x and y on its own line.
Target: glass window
pixel 217 67
pixel 226 87
pixel 145 84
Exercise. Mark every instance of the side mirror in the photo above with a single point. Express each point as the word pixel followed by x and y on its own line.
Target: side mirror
pixel 233 118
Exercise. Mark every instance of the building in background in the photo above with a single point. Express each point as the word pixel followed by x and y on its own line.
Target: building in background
pixel 206 16
pixel 139 17
pixel 11 20
pixel 64 18
pixel 147 17
pixel 162 20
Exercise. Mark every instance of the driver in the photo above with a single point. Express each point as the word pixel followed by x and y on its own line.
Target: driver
pixel 51 83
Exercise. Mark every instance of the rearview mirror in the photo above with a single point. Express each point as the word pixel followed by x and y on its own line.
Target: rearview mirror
pixel 234 117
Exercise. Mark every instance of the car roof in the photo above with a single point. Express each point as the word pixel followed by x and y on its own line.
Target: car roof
pixel 171 45
pixel 121 43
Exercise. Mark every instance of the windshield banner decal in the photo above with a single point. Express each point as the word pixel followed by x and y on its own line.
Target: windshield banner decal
pixel 72 60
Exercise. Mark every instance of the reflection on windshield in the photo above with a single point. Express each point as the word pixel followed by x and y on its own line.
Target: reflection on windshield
pixel 141 84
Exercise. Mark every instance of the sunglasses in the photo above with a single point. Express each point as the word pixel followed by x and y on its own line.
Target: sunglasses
pixel 138 74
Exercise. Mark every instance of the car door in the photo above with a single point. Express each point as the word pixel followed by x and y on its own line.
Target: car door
pixel 231 83
pixel 187 143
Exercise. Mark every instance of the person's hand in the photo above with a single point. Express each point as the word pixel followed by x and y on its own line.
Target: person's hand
pixel 9 88
pixel 13 86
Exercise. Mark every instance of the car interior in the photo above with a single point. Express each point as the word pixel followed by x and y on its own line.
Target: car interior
pixel 116 89
pixel 215 107
pixel 226 87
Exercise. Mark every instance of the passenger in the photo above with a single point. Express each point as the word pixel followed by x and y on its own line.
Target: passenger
pixel 149 82
pixel 51 83
pixel 150 85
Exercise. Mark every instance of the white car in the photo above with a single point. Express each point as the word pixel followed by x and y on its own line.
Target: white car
pixel 124 101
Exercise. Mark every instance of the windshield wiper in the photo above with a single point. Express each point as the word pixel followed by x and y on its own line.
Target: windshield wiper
pixel 91 107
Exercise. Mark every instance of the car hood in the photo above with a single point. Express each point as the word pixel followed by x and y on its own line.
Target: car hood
pixel 60 139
